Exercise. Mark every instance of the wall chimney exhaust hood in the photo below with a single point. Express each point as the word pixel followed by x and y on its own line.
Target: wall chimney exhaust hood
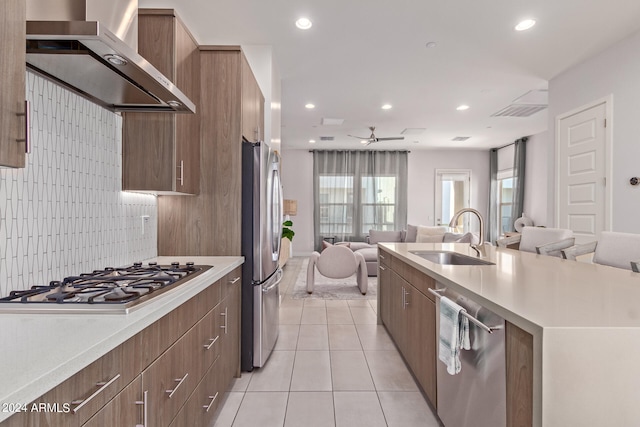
pixel 89 59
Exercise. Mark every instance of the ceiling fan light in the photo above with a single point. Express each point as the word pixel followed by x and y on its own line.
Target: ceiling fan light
pixel 364 141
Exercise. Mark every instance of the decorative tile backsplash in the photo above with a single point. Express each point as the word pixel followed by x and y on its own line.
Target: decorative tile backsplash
pixel 65 213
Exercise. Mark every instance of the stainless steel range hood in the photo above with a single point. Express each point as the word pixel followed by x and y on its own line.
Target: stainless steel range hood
pixel 89 59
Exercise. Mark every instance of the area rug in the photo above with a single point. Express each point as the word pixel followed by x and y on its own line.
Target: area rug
pixel 327 288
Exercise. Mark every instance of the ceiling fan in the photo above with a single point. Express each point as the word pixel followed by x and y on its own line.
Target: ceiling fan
pixel 373 138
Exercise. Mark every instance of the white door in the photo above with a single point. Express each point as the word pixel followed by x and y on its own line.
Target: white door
pixel 582 172
pixel 452 194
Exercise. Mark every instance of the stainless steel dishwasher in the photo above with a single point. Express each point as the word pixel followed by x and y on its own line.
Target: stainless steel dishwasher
pixel 476 396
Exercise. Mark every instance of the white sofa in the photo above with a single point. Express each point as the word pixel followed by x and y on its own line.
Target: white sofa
pixel 413 233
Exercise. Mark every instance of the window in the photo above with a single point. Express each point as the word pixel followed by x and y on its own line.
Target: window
pixel 355 191
pixel 505 204
pixel 378 194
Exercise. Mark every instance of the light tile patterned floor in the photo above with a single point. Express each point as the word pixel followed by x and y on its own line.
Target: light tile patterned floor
pixel 332 366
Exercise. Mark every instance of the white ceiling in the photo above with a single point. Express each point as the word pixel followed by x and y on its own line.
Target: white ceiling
pixel 360 54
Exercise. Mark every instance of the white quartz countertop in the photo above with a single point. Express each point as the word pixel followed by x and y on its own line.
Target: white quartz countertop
pixel 535 290
pixel 40 351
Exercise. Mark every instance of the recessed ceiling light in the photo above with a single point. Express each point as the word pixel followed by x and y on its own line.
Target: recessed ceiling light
pixel 387 107
pixel 431 44
pixel 462 107
pixel 304 23
pixel 312 141
pixel 364 141
pixel 525 25
pixel 309 106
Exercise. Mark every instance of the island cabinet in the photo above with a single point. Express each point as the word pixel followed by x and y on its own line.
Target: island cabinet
pixel 161 151
pixel 410 319
pixel 211 222
pixel 408 311
pixel 13 108
pixel 173 372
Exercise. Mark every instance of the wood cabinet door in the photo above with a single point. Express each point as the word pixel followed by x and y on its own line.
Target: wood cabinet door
pixel 230 316
pixel 252 105
pixel 12 84
pixel 161 151
pixel 384 293
pixel 421 340
pixel 126 409
pixel 398 318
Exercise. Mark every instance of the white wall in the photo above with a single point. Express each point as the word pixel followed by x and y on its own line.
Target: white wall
pixel 537 178
pixel 615 71
pixel 65 214
pixel 297 178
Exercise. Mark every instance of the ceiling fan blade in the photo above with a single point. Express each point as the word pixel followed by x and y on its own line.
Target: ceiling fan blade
pixel 364 138
pixel 391 138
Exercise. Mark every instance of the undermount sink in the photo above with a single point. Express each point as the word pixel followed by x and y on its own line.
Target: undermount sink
pixel 450 258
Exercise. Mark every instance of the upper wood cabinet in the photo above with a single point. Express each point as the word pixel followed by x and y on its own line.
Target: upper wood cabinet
pixel 252 105
pixel 211 222
pixel 13 132
pixel 161 151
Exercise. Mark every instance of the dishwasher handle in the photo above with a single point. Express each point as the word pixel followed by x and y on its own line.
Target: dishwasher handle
pixel 467 315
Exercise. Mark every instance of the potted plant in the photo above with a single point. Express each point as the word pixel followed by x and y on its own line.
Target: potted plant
pixel 286 231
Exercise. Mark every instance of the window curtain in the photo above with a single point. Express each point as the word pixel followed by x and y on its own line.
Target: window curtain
pixel 492 224
pixel 519 160
pixel 355 191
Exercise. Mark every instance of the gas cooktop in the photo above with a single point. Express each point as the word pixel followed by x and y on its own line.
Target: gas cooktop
pixel 112 290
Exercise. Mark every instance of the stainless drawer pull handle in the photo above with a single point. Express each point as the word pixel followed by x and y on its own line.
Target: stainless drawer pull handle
pixel 213 399
pixel 213 341
pixel 382 256
pixel 143 402
pixel 179 381
pixel 231 282
pixel 382 268
pixel 225 320
pixel 102 385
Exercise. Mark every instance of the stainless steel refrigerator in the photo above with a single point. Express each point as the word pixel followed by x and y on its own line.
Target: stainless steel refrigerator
pixel 261 237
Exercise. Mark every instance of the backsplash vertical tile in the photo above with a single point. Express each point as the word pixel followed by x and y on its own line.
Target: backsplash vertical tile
pixel 65 213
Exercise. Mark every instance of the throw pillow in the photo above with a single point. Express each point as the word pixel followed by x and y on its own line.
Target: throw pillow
pixel 431 230
pixel 411 233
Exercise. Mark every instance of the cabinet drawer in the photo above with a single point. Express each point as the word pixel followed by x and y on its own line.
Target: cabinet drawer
pixel 170 380
pixel 202 404
pixel 384 258
pixel 84 393
pixel 229 281
pixel 126 409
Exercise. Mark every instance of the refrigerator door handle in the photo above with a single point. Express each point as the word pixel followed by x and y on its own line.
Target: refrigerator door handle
pixel 278 275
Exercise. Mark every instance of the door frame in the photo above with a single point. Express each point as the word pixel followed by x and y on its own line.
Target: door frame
pixel 438 192
pixel 608 149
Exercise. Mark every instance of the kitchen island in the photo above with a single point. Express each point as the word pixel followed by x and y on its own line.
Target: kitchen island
pixel 42 352
pixel 580 321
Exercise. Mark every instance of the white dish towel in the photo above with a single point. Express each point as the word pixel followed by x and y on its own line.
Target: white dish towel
pixel 454 334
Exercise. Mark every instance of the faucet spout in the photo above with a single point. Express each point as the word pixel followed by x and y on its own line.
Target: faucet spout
pixel 457 215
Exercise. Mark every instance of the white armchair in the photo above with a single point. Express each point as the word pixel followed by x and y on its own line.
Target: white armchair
pixel 544 241
pixel 621 250
pixel 338 262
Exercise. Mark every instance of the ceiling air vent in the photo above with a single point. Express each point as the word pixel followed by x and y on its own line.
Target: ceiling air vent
pixel 327 138
pixel 526 105
pixel 460 138
pixel 519 110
